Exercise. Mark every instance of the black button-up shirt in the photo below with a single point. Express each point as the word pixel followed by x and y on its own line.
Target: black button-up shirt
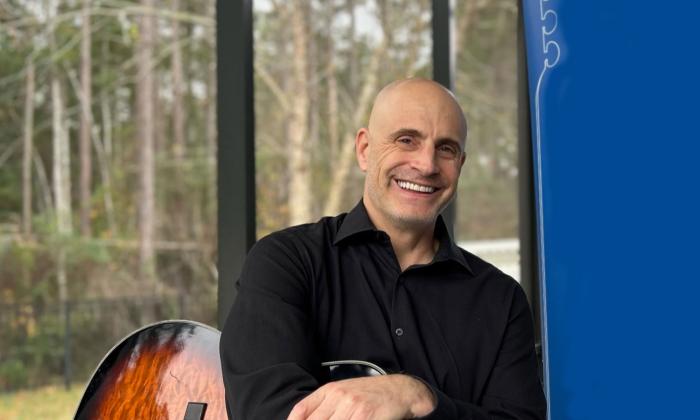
pixel 333 290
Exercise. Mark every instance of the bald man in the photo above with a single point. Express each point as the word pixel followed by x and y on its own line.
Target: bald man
pixel 384 284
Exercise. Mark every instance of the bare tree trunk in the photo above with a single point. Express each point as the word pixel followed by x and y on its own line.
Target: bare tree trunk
pixel 61 184
pixel 354 62
pixel 177 207
pixel 27 154
pixel 46 204
pixel 345 161
pixel 61 162
pixel 464 19
pixel 412 63
pixel 333 130
pixel 312 87
pixel 85 121
pixel 145 129
pixel 211 117
pixel 104 155
pixel 299 160
pixel 211 114
pixel 103 149
pixel 178 90
pixel 311 143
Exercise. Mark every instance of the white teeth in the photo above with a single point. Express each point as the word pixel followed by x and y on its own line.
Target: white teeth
pixel 415 187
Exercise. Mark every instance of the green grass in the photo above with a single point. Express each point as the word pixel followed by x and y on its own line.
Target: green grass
pixel 52 402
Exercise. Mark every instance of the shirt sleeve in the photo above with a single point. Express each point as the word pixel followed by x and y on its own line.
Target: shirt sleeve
pixel 267 348
pixel 514 390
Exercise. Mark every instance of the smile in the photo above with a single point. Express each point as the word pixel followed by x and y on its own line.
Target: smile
pixel 415 187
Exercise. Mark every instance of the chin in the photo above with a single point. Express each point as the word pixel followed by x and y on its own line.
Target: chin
pixel 413 220
pixel 424 214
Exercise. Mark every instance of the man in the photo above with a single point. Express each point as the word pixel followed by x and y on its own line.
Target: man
pixel 386 284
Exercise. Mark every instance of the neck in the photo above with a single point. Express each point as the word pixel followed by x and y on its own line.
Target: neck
pixel 412 248
pixel 412 244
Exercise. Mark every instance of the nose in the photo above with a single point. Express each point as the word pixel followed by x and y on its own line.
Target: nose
pixel 425 160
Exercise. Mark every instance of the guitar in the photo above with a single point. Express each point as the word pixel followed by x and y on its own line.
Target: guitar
pixel 171 370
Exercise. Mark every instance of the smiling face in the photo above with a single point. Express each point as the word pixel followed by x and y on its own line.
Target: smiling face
pixel 412 153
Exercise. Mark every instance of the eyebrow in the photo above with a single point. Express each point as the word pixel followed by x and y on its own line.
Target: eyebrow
pixel 407 132
pixel 417 133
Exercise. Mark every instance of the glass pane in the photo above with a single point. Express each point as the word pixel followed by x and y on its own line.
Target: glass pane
pixel 317 68
pixel 486 86
pixel 107 179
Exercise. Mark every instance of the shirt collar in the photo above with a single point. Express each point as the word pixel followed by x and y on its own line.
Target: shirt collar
pixel 358 221
pixel 355 222
pixel 448 249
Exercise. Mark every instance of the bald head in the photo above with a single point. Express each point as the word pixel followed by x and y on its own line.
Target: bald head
pixel 435 100
pixel 412 153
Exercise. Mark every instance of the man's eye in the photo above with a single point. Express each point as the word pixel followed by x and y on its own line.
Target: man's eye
pixel 405 140
pixel 448 150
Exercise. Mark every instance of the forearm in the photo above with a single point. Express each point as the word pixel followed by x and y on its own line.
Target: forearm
pixel 420 399
pixel 379 397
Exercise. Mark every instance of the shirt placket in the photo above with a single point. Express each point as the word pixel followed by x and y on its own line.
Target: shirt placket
pixel 404 332
pixel 403 328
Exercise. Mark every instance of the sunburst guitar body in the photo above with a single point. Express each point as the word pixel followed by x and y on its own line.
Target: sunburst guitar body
pixel 169 370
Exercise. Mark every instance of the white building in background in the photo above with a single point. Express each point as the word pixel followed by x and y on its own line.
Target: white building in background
pixel 503 253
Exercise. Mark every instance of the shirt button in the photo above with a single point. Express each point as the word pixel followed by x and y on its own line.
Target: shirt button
pixel 399 332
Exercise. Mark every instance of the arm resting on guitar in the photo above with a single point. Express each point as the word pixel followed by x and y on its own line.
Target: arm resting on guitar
pixel 267 351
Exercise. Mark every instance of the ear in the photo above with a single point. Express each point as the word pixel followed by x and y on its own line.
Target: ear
pixel 361 146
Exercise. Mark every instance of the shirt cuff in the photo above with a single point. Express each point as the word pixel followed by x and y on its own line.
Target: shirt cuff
pixel 444 407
